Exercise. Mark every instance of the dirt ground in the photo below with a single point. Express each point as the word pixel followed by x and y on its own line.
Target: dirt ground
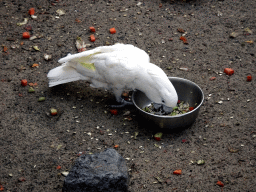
pixel 33 144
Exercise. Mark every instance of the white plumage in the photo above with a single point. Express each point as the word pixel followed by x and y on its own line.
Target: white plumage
pixel 116 68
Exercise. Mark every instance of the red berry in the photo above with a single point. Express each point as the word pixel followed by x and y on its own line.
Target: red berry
pixel 191 108
pixel 220 184
pixel 113 111
pixel 53 111
pixel 58 167
pixel 24 82
pixel 249 78
pixel 31 11
pixel 158 136
pixel 92 29
pixel 177 172
pixel 112 30
pixel 229 71
pixel 26 35
pixel 92 38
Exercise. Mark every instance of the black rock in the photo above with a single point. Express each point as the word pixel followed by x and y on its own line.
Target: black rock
pixel 105 171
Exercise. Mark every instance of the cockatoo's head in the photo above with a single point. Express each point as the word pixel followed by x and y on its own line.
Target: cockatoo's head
pixel 160 90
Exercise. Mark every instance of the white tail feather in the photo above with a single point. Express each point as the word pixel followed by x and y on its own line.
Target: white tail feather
pixel 64 74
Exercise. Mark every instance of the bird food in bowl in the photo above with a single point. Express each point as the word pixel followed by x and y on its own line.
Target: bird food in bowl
pixel 190 100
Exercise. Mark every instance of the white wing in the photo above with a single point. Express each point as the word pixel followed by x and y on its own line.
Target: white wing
pixel 106 66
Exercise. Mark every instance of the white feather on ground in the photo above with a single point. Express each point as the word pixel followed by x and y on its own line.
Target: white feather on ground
pixel 116 68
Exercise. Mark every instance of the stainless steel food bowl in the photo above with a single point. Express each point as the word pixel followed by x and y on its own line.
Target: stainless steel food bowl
pixel 187 91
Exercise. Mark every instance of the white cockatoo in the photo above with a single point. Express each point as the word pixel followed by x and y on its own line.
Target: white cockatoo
pixel 117 68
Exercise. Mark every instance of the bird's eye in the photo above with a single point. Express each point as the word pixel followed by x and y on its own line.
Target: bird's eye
pixel 163 101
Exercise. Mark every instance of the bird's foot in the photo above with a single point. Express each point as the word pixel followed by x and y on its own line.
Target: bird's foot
pixel 123 103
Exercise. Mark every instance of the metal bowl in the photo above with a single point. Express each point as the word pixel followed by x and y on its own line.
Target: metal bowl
pixel 187 91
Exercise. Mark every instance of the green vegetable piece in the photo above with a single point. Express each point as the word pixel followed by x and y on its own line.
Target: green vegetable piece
pixel 159 179
pixel 175 108
pixel 173 113
pixel 36 48
pixel 58 147
pixel 156 145
pixel 200 162
pixel 158 135
pixel 147 109
pixel 41 99
pixel 136 134
pixel 23 23
pixel 31 90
